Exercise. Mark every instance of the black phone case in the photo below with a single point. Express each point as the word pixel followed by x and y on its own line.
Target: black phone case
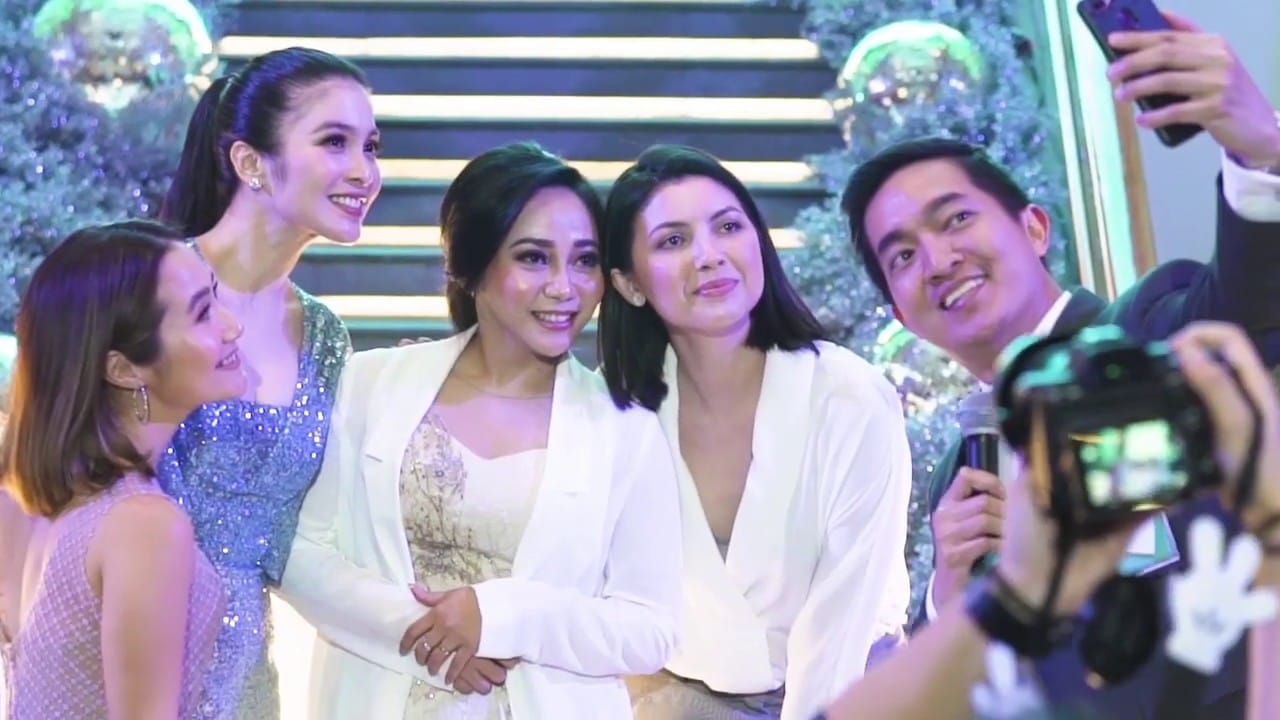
pixel 1104 17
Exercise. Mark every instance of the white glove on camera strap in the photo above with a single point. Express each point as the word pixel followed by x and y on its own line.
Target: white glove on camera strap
pixel 1009 693
pixel 1211 603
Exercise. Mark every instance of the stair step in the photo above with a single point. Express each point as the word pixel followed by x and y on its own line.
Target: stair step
pixel 679 77
pixel 417 202
pixel 352 18
pixel 388 306
pixel 401 261
pixel 374 333
pixel 776 172
pixel 525 47
pixel 390 270
pixel 611 141
pixel 603 108
pixel 376 238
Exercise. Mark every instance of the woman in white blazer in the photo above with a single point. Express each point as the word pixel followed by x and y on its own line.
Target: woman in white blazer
pixel 535 521
pixel 792 453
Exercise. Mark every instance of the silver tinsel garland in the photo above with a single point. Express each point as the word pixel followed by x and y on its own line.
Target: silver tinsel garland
pixel 1007 114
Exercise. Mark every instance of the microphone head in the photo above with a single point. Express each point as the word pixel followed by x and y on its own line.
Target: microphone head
pixel 977 414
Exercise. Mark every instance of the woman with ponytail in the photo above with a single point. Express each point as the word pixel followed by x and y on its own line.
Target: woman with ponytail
pixel 537 523
pixel 278 154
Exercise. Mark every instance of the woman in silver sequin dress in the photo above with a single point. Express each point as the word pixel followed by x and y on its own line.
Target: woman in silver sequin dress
pixel 121 336
pixel 277 154
pixel 492 470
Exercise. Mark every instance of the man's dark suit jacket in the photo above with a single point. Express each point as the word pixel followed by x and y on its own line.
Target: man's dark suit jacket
pixel 1241 284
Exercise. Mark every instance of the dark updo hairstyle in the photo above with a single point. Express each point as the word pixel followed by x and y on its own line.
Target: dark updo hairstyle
pixel 633 340
pixel 248 106
pixel 483 203
pixel 96 292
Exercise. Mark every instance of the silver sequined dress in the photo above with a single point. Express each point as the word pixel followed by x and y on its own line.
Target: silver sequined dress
pixel 241 469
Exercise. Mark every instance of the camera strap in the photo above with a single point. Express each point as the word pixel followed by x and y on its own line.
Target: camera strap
pixel 1007 617
pixel 1064 545
pixel 1117 632
pixel 1246 485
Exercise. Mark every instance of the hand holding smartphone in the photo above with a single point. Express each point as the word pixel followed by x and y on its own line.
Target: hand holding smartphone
pixel 1104 17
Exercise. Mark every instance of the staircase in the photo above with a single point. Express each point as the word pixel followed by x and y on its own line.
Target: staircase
pixel 595 81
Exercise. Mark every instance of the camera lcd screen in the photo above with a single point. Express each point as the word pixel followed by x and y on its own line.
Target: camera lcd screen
pixel 1132 465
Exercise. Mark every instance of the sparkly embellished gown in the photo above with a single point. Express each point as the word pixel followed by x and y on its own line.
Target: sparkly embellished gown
pixel 241 469
pixel 55 660
pixel 464 516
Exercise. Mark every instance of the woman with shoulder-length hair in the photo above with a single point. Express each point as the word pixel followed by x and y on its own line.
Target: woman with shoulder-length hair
pixel 112 611
pixel 794 468
pixel 538 522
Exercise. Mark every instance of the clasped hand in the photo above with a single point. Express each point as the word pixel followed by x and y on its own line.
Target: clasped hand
pixel 966 526
pixel 451 629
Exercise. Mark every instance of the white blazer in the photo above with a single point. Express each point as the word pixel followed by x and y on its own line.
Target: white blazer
pixel 595 586
pixel 815 571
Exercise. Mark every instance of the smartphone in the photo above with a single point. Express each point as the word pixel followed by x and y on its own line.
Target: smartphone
pixel 1104 17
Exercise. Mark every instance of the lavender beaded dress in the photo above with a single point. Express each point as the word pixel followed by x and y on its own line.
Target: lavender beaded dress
pixel 241 469
pixel 55 660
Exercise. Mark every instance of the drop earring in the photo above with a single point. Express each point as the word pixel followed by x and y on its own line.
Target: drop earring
pixel 142 405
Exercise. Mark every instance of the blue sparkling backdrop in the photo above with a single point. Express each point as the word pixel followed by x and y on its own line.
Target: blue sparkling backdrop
pixel 66 161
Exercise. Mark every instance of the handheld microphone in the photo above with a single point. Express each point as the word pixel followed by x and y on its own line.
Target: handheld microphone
pixel 980 426
pixel 980 446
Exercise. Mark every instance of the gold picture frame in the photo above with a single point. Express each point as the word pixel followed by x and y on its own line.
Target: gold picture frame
pixel 1107 193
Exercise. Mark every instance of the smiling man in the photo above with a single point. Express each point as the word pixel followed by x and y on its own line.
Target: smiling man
pixel 958 249
pixel 957 245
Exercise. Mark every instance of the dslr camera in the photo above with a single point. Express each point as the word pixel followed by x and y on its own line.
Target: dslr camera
pixel 1123 433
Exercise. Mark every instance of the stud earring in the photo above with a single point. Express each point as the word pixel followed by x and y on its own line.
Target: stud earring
pixel 142 405
pixel 638 300
pixel 255 184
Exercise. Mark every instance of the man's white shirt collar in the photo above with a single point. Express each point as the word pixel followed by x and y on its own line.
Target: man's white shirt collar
pixel 1045 326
